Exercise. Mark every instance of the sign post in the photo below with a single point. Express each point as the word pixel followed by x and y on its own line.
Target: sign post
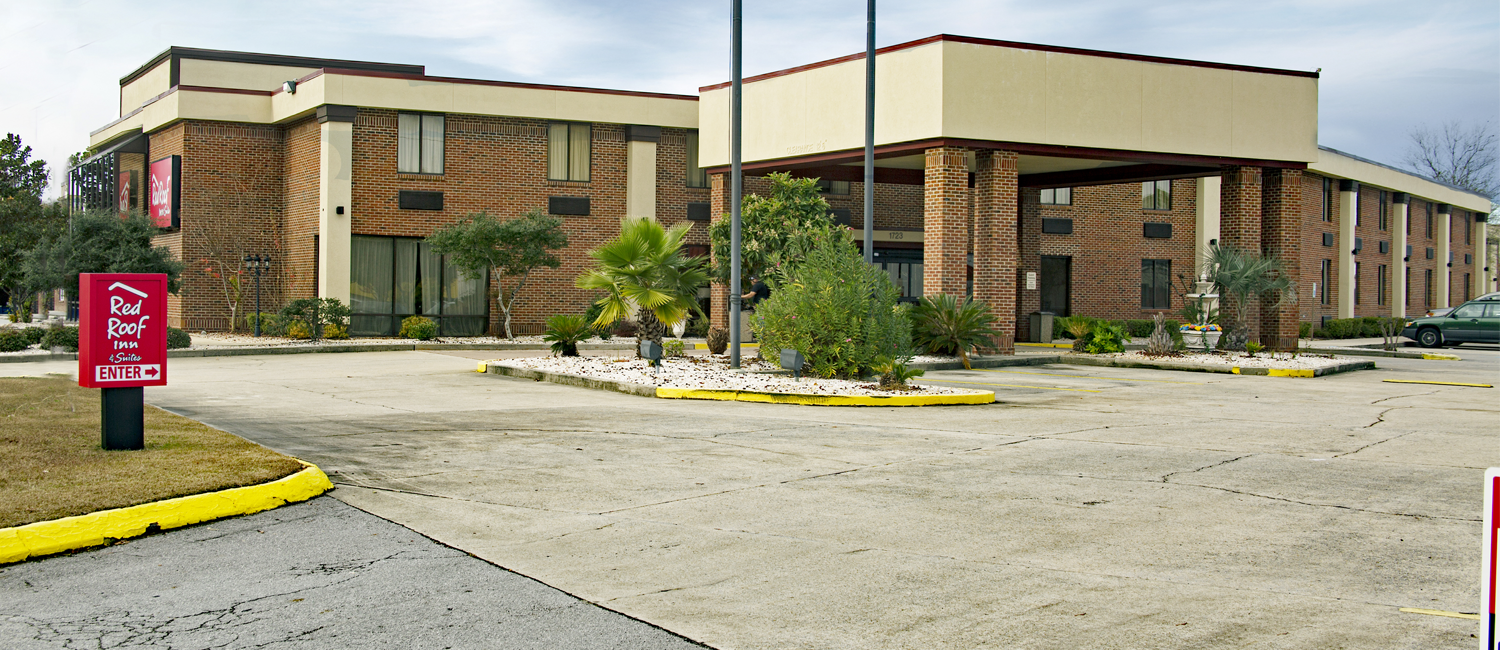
pixel 122 347
pixel 1489 558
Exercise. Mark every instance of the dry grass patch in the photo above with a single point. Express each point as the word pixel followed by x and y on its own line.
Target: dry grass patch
pixel 51 464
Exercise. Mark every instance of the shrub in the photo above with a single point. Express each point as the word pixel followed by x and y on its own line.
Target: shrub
pixel 718 340
pixel 673 348
pixel 1140 328
pixel 698 326
pixel 1304 330
pixel 1106 338
pixel 335 331
pixel 314 315
pixel 1160 342
pixel 894 375
pixel 270 324
pixel 178 339
pixel 943 325
pixel 420 328
pixel 1080 329
pixel 33 335
pixel 565 331
pixel 839 312
pixel 1252 347
pixel 61 337
pixel 604 331
pixel 13 341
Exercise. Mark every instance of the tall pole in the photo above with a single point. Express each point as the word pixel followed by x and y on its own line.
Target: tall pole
pixel 870 134
pixel 734 194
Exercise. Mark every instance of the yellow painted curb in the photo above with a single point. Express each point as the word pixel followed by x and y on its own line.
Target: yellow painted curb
pixel 704 346
pixel 1289 372
pixel 1439 612
pixel 97 528
pixel 1436 383
pixel 1065 346
pixel 825 400
pixel 1441 357
pixel 483 367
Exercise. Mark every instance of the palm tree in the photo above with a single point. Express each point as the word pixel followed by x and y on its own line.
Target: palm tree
pixel 1240 276
pixel 645 277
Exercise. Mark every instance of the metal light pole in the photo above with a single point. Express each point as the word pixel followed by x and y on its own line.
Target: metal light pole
pixel 257 265
pixel 870 134
pixel 735 186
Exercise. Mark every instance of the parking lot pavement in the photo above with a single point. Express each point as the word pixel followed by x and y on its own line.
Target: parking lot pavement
pixel 1135 508
pixel 312 575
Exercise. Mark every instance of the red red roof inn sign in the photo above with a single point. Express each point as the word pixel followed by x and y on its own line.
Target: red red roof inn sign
pixel 1491 556
pixel 122 330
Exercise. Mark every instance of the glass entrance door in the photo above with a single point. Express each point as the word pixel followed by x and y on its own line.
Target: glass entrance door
pixel 1057 277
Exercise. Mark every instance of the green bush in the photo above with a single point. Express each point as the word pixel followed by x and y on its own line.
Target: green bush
pixel 565 331
pixel 1348 328
pixel 335 331
pixel 314 315
pixel 33 335
pixel 943 325
pixel 420 328
pixel 839 312
pixel 61 337
pixel 718 340
pixel 13 341
pixel 673 348
pixel 1106 338
pixel 1140 328
pixel 592 315
pixel 270 324
pixel 1304 330
pixel 178 339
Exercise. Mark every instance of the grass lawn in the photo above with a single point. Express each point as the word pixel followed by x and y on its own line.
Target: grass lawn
pixel 51 464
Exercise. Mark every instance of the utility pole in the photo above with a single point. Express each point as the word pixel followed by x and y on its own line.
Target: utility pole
pixel 870 134
pixel 734 193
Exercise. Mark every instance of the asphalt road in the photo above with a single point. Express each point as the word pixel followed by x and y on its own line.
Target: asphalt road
pixel 1089 508
pixel 318 574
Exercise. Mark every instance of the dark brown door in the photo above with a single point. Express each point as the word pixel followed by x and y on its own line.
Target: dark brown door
pixel 1057 277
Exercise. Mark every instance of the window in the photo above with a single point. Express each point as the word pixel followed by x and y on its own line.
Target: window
pixel 1327 199
pixel 833 187
pixel 1156 195
pixel 1382 285
pixel 1059 196
pixel 1468 287
pixel 419 143
pixel 1429 221
pixel 391 278
pixel 1156 284
pixel 1358 213
pixel 1427 288
pixel 1356 283
pixel 1385 210
pixel 1475 310
pixel 568 149
pixel 1325 276
pixel 1468 232
pixel 1407 293
pixel 696 176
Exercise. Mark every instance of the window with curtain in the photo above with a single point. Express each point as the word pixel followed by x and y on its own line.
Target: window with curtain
pixel 419 143
pixel 392 278
pixel 1058 196
pixel 568 148
pixel 1156 195
pixel 1382 284
pixel 833 187
pixel 1325 277
pixel 1385 210
pixel 696 176
pixel 1356 283
pixel 1156 284
pixel 1327 199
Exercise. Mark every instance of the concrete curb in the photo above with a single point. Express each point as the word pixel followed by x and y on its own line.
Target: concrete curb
pixel 1358 352
pixel 643 390
pixel 376 347
pixel 1235 370
pixel 98 528
pixel 989 362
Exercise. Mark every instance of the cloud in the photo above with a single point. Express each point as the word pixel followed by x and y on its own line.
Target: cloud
pixel 1387 66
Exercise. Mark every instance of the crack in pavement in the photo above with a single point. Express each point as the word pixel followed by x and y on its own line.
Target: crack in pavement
pixel 1194 471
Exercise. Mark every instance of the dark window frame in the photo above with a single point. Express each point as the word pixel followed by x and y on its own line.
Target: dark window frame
pixel 442 162
pixel 1054 190
pixel 1385 210
pixel 1382 284
pixel 697 177
pixel 1325 275
pixel 1327 198
pixel 1154 201
pixel 568 164
pixel 1153 295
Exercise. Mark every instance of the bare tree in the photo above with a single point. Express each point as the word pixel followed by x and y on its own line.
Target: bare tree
pixel 221 244
pixel 1458 154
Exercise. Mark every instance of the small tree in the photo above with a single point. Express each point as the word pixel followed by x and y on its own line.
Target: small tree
pixel 646 277
pixel 25 220
pixel 1239 277
pixel 776 231
pixel 19 175
pixel 100 242
pixel 511 249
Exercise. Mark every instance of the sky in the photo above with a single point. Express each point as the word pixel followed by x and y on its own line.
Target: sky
pixel 1387 67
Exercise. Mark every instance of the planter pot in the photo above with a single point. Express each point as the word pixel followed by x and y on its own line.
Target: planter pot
pixel 1201 340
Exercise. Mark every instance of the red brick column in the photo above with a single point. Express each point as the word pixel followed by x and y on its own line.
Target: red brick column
pixel 718 208
pixel 945 218
pixel 1240 199
pixel 1030 247
pixel 1280 237
pixel 996 255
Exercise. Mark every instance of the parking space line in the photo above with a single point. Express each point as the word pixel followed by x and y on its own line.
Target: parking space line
pixel 1439 612
pixel 1436 383
pixel 1051 374
pixel 983 383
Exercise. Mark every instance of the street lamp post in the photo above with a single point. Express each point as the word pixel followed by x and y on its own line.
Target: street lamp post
pixel 257 264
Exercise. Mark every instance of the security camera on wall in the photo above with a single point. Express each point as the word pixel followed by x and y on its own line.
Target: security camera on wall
pixel 289 87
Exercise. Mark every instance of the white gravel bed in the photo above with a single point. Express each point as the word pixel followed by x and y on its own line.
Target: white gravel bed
pixel 216 340
pixel 1240 359
pixel 709 373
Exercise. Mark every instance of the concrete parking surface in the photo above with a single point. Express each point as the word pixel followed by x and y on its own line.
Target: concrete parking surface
pixel 1090 507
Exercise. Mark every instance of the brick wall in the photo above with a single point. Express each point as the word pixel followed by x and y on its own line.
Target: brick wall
pixel 997 254
pixel 1311 306
pixel 297 267
pixel 947 222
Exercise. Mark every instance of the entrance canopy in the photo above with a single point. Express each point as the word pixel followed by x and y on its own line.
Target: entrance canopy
pixel 1076 117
